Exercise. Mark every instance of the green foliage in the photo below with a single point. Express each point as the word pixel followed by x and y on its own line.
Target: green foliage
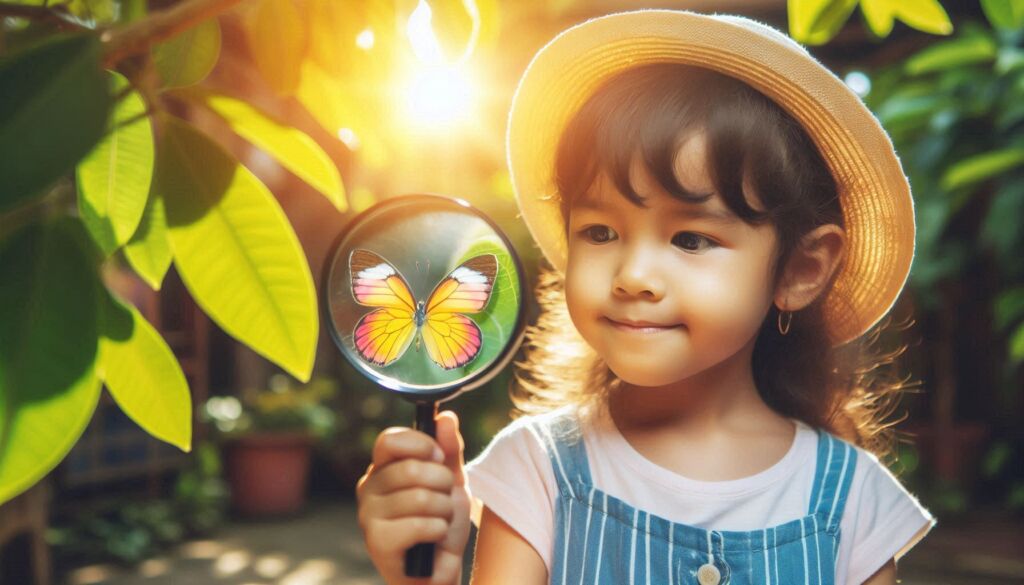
pixel 114 178
pixel 149 251
pixel 48 381
pixel 142 375
pixel 184 201
pixel 201 494
pixel 189 57
pixel 815 22
pixel 53 108
pixel 1004 14
pixel 295 151
pixel 235 250
pixel 282 406
pixel 964 50
pixel 974 169
pixel 497 318
pixel 952 112
pixel 129 532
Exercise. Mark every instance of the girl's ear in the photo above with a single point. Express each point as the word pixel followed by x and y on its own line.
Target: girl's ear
pixel 810 267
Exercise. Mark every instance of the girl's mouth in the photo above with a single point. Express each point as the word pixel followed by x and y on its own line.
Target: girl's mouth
pixel 639 326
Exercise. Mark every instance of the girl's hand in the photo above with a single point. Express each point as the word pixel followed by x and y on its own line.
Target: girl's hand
pixel 415 491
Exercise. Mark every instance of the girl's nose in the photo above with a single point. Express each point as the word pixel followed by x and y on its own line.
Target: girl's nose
pixel 639 276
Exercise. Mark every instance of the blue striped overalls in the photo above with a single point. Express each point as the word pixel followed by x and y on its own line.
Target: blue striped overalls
pixel 600 539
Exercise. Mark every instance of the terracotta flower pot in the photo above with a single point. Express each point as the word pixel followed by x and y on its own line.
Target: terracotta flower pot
pixel 269 472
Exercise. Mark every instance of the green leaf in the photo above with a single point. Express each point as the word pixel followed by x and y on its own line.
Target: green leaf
pixel 1015 499
pixel 1009 59
pixel 981 167
pixel 1002 228
pixel 900 110
pixel 296 151
pixel 48 384
pixel 1017 346
pixel 113 180
pixel 149 252
pixel 142 374
pixel 235 250
pixel 92 12
pixel 830 20
pixel 924 15
pixel 952 53
pixel 53 109
pixel 189 57
pixel 1009 307
pixel 879 15
pixel 497 318
pixel 1007 14
pixel 814 22
pixel 132 10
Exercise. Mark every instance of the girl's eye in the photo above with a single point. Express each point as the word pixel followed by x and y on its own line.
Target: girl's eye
pixel 599 234
pixel 692 242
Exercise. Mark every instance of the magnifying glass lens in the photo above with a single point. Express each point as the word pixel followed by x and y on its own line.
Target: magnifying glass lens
pixel 423 295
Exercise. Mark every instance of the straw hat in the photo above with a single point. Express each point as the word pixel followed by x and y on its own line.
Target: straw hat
pixel 875 196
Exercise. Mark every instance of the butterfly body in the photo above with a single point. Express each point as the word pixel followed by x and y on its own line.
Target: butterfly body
pixel 420 315
pixel 452 339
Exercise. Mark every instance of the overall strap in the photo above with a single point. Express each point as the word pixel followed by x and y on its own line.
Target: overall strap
pixel 562 440
pixel 837 460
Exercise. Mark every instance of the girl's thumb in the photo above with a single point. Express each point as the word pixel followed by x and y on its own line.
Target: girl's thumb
pixel 450 440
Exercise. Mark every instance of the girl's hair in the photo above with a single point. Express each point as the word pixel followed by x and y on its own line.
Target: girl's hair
pixel 647 112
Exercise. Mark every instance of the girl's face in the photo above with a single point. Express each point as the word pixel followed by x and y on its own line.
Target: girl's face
pixel 666 291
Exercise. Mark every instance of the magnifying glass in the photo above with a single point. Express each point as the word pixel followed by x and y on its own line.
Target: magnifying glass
pixel 423 295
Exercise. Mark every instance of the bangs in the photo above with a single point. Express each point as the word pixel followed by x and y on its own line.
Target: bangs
pixel 646 113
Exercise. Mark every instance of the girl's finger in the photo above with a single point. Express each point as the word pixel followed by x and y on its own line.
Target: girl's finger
pixel 406 503
pixel 401 443
pixel 412 473
pixel 450 440
pixel 390 537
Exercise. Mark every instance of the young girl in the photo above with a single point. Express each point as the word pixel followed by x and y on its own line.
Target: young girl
pixel 723 217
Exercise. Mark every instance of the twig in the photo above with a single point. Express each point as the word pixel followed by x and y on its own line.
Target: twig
pixel 158 27
pixel 57 15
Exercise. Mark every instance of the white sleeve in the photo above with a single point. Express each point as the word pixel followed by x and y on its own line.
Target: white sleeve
pixel 882 521
pixel 513 477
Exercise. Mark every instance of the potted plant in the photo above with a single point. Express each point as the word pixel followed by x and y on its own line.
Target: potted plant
pixel 268 437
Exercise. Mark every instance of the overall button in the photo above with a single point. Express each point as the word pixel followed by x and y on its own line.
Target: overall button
pixel 708 574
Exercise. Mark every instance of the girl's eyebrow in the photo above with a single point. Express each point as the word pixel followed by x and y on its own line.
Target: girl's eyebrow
pixel 698 211
pixel 682 210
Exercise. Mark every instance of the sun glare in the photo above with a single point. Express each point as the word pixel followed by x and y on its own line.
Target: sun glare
pixel 438 97
pixel 435 94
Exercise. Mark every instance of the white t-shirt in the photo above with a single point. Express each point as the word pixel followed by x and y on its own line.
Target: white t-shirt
pixel 513 477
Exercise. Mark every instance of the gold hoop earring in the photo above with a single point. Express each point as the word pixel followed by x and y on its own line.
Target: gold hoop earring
pixel 784 329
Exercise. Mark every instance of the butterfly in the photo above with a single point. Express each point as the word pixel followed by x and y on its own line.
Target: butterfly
pixel 452 339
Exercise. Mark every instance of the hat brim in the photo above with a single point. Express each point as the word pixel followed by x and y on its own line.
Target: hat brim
pixel 878 210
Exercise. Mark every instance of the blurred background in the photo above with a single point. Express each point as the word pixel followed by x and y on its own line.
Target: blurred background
pixel 407 97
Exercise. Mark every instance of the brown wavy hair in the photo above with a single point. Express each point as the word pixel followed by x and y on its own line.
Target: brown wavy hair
pixel 646 112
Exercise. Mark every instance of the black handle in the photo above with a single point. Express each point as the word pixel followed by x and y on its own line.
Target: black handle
pixel 419 560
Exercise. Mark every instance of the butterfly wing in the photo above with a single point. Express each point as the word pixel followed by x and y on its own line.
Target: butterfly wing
pixel 383 335
pixel 453 340
pixel 376 283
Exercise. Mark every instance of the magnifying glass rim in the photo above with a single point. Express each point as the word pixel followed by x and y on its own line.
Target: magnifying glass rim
pixel 435 391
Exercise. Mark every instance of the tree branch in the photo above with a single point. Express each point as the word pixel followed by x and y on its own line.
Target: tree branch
pixel 57 15
pixel 158 27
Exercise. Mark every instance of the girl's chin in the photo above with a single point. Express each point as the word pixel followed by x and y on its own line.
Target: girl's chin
pixel 645 378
